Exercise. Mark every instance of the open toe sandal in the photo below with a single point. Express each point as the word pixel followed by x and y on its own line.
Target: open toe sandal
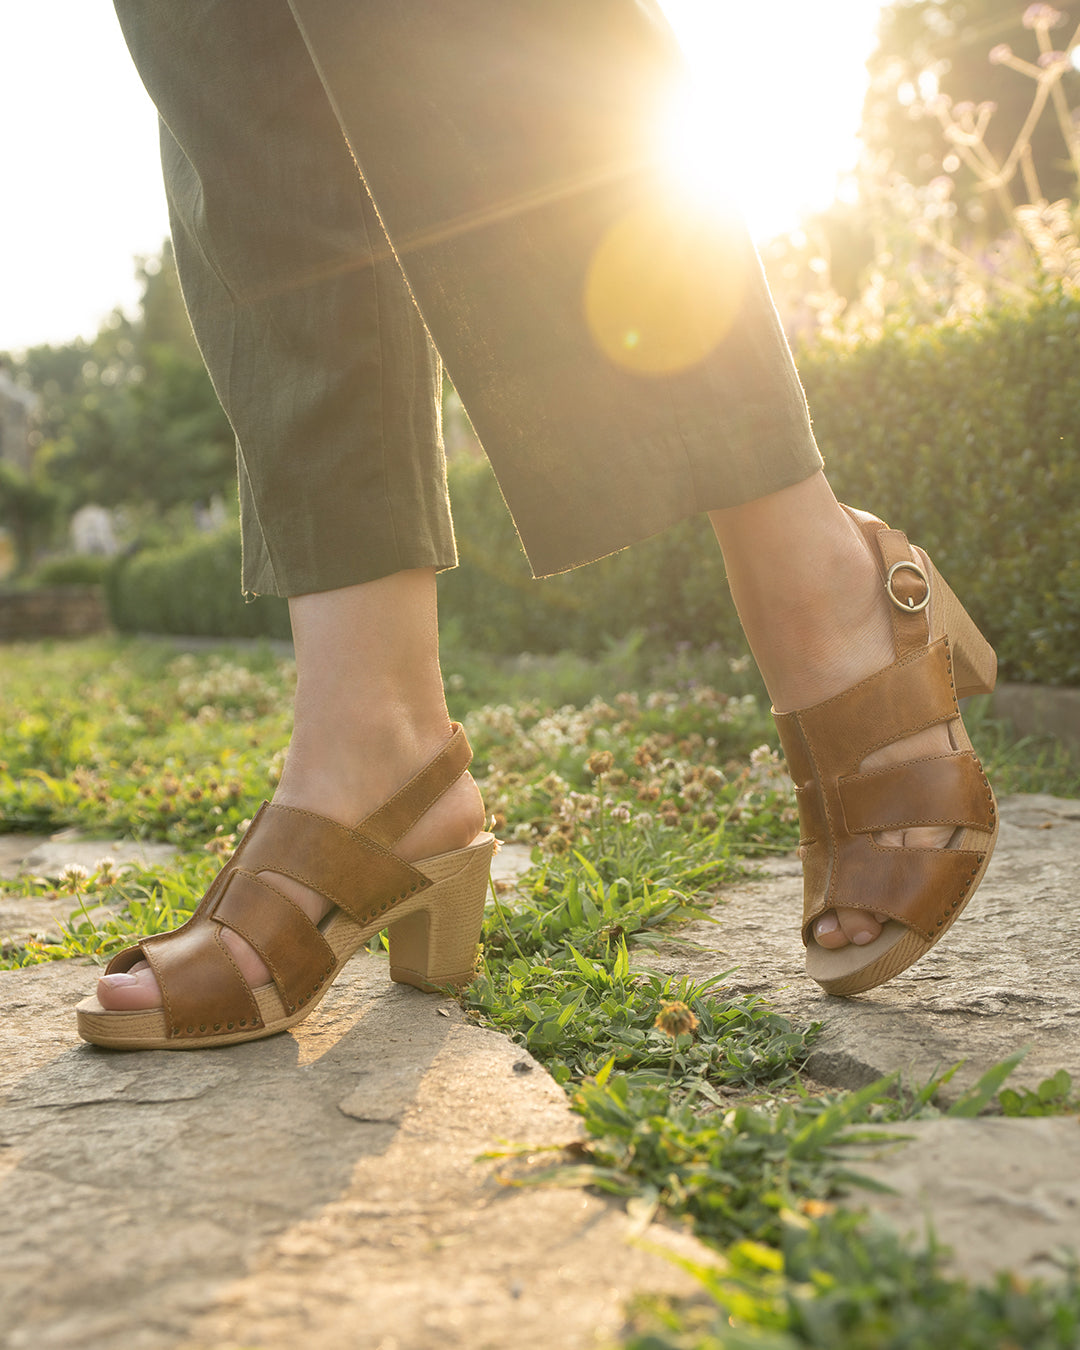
pixel 433 910
pixel 940 657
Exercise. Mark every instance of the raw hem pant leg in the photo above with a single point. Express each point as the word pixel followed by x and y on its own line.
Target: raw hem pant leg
pixel 306 324
pixel 509 151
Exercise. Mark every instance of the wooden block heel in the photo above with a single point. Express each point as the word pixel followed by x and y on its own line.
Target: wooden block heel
pixel 436 946
pixel 433 908
pixel 974 660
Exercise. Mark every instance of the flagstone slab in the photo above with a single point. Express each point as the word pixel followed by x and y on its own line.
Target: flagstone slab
pixel 322 1187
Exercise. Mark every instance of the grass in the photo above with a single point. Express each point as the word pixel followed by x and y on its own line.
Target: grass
pixel 641 788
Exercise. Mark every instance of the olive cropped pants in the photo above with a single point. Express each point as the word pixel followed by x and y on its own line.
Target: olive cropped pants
pixel 358 188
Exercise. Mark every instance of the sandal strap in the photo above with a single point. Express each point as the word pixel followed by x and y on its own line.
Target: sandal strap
pixel 344 866
pixel 296 954
pixel 939 790
pixel 913 693
pixel 393 820
pixel 841 808
pixel 901 569
pixel 919 887
pixel 202 990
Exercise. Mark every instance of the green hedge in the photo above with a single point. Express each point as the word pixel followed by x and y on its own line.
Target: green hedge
pixel 192 589
pixel 967 436
pixel 964 435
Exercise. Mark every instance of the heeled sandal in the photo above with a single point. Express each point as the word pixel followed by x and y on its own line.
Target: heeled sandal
pixel 433 909
pixel 940 657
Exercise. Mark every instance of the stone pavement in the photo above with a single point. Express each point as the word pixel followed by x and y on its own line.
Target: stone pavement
pixel 324 1186
pixel 1004 1194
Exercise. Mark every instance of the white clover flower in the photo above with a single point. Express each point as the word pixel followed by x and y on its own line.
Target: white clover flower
pixel 73 876
pixel 106 871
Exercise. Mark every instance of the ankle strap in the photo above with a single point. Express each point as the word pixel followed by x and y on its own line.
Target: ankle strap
pixel 398 815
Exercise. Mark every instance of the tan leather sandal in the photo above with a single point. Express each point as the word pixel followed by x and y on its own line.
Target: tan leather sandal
pixel 433 910
pixel 940 657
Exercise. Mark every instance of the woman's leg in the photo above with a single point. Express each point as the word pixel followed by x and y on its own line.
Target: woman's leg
pixel 811 603
pixel 333 387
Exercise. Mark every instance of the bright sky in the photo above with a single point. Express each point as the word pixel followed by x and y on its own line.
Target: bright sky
pixel 82 196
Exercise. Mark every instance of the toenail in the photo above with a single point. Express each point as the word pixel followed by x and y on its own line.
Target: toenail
pixel 861 939
pixel 116 981
pixel 828 923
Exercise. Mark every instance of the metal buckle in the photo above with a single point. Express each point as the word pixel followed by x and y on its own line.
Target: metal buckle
pixel 909 606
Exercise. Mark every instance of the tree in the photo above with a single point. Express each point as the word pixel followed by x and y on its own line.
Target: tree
pixel 28 508
pixel 131 418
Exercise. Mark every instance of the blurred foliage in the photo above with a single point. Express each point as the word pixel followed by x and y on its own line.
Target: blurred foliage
pixel 191 588
pixel 965 434
pixel 128 419
pixel 968 189
pixel 934 48
pixel 29 507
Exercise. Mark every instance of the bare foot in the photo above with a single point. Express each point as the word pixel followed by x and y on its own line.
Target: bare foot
pixel 815 612
pixel 335 783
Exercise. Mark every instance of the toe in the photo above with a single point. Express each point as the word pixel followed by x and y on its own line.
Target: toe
pixel 130 991
pixel 840 927
pixel 828 933
pixel 858 926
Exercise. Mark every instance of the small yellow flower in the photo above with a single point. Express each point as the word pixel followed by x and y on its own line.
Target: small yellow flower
pixel 816 1209
pixel 676 1019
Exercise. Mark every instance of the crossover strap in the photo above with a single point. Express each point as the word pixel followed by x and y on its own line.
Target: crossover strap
pixel 294 951
pixel 397 816
pixel 920 887
pixel 349 869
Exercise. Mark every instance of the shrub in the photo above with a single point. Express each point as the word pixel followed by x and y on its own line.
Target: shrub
pixel 967 436
pixel 193 589
pixel 75 569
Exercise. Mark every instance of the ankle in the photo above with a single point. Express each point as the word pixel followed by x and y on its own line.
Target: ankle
pixel 345 768
pixel 811 604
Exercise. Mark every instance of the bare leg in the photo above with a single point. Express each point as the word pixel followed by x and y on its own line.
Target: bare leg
pixel 369 712
pixel 814 612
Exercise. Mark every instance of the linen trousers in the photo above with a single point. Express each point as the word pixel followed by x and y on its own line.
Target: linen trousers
pixel 360 189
